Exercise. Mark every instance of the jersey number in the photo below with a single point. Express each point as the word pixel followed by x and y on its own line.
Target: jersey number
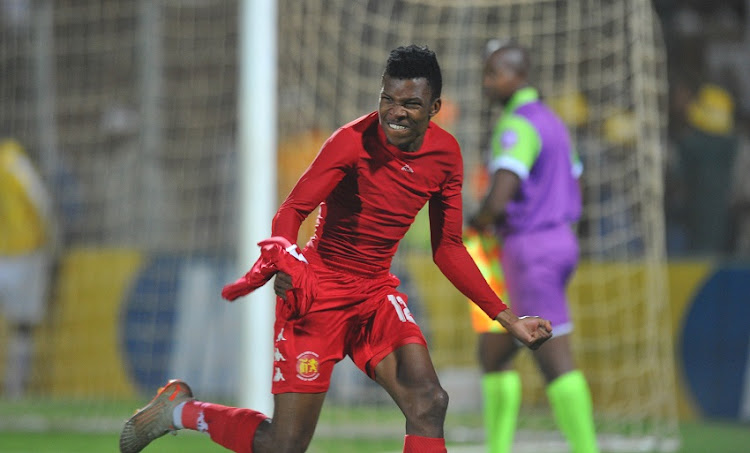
pixel 401 309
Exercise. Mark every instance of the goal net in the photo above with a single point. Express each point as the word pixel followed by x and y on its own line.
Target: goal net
pixel 600 63
pixel 129 110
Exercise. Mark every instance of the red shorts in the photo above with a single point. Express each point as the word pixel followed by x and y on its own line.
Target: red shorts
pixel 363 318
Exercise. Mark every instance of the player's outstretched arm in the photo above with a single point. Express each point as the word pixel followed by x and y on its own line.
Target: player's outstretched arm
pixel 532 331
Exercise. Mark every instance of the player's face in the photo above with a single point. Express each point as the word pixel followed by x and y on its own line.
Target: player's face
pixel 499 83
pixel 405 109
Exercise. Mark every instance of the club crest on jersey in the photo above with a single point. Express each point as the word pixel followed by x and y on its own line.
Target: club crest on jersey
pixel 407 168
pixel 308 366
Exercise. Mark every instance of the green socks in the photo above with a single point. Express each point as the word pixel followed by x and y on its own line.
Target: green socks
pixel 571 403
pixel 502 401
pixel 569 397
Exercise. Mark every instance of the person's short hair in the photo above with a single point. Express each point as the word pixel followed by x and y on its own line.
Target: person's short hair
pixel 519 60
pixel 412 62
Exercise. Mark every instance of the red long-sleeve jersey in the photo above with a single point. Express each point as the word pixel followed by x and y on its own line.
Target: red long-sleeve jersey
pixel 369 193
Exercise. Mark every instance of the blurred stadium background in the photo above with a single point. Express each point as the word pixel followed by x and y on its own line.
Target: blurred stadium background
pixel 130 110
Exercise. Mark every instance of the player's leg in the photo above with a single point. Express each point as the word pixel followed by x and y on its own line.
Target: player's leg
pixel 556 358
pixel 291 429
pixel 237 429
pixel 408 375
pixel 568 393
pixel 388 345
pixel 295 417
pixel 306 350
pixel 501 390
pixel 501 384
pixel 540 287
pixel 545 284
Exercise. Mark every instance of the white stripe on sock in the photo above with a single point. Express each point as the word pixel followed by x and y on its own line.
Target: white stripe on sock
pixel 177 415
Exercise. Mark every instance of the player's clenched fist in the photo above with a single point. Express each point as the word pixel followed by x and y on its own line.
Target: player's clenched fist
pixel 539 330
pixel 532 331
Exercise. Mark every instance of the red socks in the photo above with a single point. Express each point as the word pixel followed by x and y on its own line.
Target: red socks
pixel 417 444
pixel 231 427
pixel 234 428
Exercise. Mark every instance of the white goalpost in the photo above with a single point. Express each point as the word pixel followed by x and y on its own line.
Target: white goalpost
pixel 257 149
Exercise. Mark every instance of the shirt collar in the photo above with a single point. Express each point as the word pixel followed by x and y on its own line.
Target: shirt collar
pixel 523 96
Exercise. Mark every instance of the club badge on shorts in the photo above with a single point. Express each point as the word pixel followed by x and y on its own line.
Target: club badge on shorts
pixel 307 366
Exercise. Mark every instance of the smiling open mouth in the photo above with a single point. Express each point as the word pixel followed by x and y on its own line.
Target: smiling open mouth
pixel 397 127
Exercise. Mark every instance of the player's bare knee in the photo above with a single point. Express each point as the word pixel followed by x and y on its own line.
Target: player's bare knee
pixel 430 405
pixel 440 401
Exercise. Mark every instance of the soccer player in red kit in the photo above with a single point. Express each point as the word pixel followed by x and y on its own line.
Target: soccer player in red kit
pixel 370 179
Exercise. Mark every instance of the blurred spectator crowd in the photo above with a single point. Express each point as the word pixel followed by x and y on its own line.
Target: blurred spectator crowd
pixel 707 189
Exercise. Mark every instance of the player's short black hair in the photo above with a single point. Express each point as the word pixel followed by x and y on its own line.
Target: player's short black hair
pixel 412 62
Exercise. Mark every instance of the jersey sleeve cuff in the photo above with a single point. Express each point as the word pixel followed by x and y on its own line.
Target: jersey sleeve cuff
pixel 511 164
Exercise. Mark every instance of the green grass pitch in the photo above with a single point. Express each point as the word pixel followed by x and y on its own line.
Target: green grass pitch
pixel 43 426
